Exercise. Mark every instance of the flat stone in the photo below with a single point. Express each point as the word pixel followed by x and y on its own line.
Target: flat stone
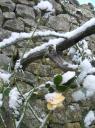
pixel 25 11
pixel 14 25
pixel 7 5
pixel 9 15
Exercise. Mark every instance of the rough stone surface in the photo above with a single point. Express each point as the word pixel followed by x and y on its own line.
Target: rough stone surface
pixel 9 15
pixel 4 61
pixel 7 5
pixel 26 2
pixel 72 125
pixel 57 6
pixel 1 18
pixel 30 22
pixel 60 22
pixel 25 11
pixel 19 16
pixel 4 34
pixel 14 25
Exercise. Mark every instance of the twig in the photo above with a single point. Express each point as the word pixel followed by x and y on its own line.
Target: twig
pixel 39 119
pixel 45 120
pixel 24 109
pixel 3 120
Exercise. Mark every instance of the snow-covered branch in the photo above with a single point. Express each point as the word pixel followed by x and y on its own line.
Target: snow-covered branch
pixel 17 37
pixel 60 44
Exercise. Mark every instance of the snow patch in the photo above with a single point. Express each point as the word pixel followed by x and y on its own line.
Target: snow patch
pixel 5 76
pixel 45 5
pixel 51 42
pixel 67 76
pixel 1 99
pixel 90 117
pixel 89 83
pixel 18 66
pixel 79 95
pixel 15 100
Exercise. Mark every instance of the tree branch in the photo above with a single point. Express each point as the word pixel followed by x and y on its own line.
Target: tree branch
pixel 60 44
pixel 18 37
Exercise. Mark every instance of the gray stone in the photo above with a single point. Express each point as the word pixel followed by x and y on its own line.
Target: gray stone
pixel 40 70
pixel 74 2
pixel 14 25
pixel 85 6
pixel 4 61
pixel 72 125
pixel 7 5
pixel 26 2
pixel 25 11
pixel 59 22
pixel 1 18
pixel 4 34
pixel 87 13
pixel 30 22
pixel 57 7
pixel 9 15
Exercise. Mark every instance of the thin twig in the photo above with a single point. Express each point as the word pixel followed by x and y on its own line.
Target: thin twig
pixel 24 109
pixel 45 120
pixel 3 121
pixel 39 119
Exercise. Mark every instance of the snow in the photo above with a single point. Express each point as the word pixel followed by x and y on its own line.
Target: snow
pixel 1 98
pixel 89 118
pixel 5 76
pixel 51 42
pixel 88 89
pixel 15 99
pixel 85 44
pixel 23 35
pixel 89 93
pixel 80 51
pixel 78 95
pixel 81 77
pixel 72 107
pixel 89 83
pixel 67 76
pixel 15 37
pixel 88 52
pixel 81 28
pixel 45 5
pixel 50 83
pixel 50 97
pixel 69 65
pixel 18 65
pixel 72 51
pixel 85 68
pixel 85 65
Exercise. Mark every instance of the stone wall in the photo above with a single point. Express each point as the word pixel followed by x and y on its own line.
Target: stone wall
pixel 20 16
